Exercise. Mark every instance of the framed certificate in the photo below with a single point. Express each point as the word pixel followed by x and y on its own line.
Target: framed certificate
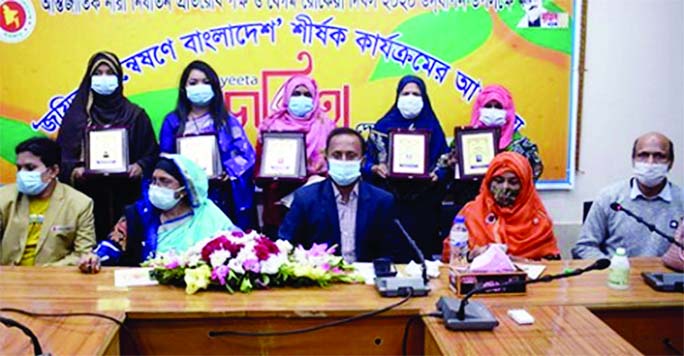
pixel 283 156
pixel 408 154
pixel 476 148
pixel 203 150
pixel 107 150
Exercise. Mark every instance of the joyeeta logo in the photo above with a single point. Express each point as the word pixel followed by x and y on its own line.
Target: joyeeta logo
pixel 17 20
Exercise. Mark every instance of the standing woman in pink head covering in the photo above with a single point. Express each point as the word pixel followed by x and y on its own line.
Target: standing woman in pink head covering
pixel 494 107
pixel 297 108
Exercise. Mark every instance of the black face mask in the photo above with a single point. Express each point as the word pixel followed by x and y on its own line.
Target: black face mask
pixel 504 197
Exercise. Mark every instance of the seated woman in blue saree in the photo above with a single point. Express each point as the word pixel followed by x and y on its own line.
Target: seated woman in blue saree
pixel 175 214
pixel 201 111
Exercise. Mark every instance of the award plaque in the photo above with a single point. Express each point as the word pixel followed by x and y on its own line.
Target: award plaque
pixel 107 150
pixel 203 150
pixel 283 156
pixel 476 148
pixel 408 154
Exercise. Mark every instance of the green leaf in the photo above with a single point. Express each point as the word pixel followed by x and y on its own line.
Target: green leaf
pixel 556 39
pixel 13 132
pixel 449 36
pixel 230 290
pixel 246 285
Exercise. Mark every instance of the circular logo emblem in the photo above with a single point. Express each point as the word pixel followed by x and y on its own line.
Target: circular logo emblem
pixel 17 20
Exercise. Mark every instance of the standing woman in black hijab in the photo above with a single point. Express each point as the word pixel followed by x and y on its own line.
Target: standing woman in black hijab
pixel 100 103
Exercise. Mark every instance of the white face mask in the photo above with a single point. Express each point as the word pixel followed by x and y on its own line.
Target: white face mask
pixel 104 84
pixel 410 106
pixel 163 198
pixel 650 174
pixel 493 117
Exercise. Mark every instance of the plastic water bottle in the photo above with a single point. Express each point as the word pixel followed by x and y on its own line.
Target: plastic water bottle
pixel 618 275
pixel 458 243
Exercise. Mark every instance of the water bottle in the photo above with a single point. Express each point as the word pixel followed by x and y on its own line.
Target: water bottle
pixel 618 275
pixel 458 243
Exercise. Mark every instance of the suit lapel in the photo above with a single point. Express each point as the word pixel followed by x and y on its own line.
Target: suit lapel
pixel 361 219
pixel 332 215
pixel 51 214
pixel 18 227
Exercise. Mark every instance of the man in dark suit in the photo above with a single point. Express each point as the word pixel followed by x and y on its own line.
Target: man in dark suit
pixel 343 209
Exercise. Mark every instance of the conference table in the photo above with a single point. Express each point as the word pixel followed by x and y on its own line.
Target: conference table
pixel 579 315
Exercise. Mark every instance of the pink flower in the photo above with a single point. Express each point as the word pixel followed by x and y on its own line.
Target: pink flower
pixel 317 250
pixel 326 266
pixel 173 264
pixel 219 274
pixel 251 265
pixel 237 234
pixel 332 250
pixel 337 270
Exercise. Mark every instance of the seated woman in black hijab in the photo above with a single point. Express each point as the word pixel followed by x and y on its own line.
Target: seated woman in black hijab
pixel 100 103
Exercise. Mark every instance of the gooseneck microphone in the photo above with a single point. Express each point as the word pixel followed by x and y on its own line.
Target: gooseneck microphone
pixel 403 286
pixel 477 317
pixel 651 227
pixel 414 246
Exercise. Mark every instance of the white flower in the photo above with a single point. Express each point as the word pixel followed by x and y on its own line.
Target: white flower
pixel 300 255
pixel 236 266
pixel 247 253
pixel 193 259
pixel 284 246
pixel 219 257
pixel 273 263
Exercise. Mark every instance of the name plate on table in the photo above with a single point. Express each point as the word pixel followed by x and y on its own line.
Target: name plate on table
pixel 408 154
pixel 283 156
pixel 476 149
pixel 203 150
pixel 107 150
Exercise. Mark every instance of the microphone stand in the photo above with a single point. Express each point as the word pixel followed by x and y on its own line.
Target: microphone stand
pixel 479 317
pixel 402 286
pixel 37 350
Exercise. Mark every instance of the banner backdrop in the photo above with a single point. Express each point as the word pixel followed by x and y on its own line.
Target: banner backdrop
pixel 356 50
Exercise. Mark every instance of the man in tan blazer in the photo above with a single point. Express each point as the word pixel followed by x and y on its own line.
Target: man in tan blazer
pixel 42 221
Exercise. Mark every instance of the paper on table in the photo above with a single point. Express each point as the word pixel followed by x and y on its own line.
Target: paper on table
pixel 365 269
pixel 533 271
pixel 130 277
pixel 413 269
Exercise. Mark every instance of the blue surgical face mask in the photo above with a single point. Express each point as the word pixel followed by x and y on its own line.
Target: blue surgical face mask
pixel 344 173
pixel 104 84
pixel 299 106
pixel 30 183
pixel 163 198
pixel 199 94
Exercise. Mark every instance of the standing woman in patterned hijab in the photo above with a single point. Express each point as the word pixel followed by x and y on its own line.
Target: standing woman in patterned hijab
pixel 100 103
pixel 201 111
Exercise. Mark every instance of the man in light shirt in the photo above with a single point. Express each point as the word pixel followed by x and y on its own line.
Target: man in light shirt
pixel 648 193
pixel 342 209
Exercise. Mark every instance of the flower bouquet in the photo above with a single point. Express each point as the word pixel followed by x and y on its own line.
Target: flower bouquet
pixel 243 261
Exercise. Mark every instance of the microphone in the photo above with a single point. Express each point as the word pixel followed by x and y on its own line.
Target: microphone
pixel 651 227
pixel 478 317
pixel 37 350
pixel 400 286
